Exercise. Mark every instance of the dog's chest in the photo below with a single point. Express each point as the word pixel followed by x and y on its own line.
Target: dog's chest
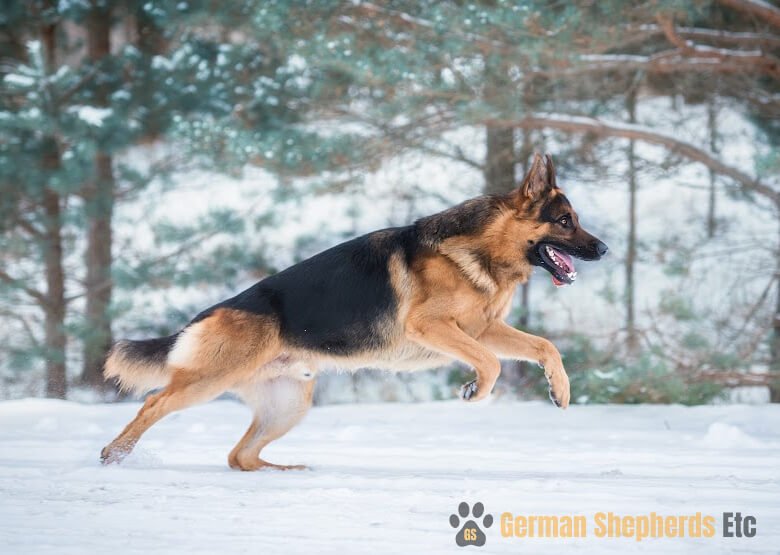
pixel 482 311
pixel 407 355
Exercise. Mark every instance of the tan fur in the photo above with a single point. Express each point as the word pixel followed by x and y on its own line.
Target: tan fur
pixel 278 404
pixel 448 308
pixel 465 256
pixel 230 347
pixel 451 302
pixel 133 375
pixel 229 339
pixel 507 342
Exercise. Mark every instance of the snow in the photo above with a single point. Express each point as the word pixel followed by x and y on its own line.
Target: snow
pixel 91 115
pixel 383 478
pixel 162 63
pixel 19 80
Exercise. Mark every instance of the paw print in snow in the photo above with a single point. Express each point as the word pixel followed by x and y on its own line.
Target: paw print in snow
pixel 470 533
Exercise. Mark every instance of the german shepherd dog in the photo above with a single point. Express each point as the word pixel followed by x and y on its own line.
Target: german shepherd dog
pixel 403 299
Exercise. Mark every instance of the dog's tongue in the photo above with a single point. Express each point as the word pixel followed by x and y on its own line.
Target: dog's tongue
pixel 564 262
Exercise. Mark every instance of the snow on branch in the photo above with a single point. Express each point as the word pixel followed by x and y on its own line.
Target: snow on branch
pixel 761 10
pixel 371 10
pixel 742 38
pixel 764 62
pixel 668 61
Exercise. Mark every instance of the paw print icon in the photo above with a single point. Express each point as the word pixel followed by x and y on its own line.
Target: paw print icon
pixel 470 532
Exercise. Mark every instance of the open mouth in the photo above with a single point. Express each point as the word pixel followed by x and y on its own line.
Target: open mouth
pixel 559 264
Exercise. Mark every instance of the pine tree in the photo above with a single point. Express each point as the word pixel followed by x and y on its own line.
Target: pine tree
pixel 409 72
pixel 254 82
pixel 38 180
pixel 71 108
pixel 98 196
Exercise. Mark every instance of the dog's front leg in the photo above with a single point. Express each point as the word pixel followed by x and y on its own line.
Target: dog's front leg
pixel 507 342
pixel 444 336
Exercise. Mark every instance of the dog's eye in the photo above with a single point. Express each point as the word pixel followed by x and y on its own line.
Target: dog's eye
pixel 564 221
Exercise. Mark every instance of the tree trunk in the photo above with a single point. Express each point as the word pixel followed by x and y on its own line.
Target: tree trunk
pixel 774 364
pixel 54 309
pixel 774 387
pixel 526 151
pixel 55 338
pixel 150 38
pixel 631 333
pixel 99 201
pixel 713 131
pixel 150 41
pixel 500 160
pixel 499 179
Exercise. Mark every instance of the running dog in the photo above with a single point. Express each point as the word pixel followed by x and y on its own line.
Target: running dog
pixel 404 299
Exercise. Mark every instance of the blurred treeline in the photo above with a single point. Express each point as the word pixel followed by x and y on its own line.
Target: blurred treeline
pixel 323 93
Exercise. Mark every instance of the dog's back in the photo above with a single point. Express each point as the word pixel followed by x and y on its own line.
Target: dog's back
pixel 336 303
pixel 332 302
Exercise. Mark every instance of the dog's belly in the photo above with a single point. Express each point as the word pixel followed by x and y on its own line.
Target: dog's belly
pixel 411 356
pixel 403 356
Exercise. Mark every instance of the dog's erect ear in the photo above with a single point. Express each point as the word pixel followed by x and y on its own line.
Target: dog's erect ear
pixel 550 170
pixel 540 178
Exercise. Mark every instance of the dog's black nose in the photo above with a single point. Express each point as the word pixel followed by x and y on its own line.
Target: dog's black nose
pixel 601 248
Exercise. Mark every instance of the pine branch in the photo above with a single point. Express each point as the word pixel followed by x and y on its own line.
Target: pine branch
pixel 458 155
pixel 579 124
pixel 732 378
pixel 25 324
pixel 665 62
pixel 763 62
pixel 371 10
pixel 740 38
pixel 34 293
pixel 28 227
pixel 194 241
pixel 763 11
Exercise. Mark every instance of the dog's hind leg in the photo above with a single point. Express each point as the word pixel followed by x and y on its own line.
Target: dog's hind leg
pixel 185 389
pixel 278 404
pixel 209 358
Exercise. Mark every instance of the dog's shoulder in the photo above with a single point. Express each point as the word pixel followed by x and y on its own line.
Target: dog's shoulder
pixel 467 218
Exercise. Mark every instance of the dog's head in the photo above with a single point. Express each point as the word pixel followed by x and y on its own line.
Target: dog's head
pixel 554 235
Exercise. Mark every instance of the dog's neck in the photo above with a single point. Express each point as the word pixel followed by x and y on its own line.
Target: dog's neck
pixel 485 271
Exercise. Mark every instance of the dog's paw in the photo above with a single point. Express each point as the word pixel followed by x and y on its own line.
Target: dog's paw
pixel 475 391
pixel 113 454
pixel 560 393
pixel 468 392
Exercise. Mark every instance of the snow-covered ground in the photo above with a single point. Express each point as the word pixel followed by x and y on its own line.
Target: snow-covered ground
pixel 383 478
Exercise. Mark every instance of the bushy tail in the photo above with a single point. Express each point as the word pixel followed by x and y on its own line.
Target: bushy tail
pixel 140 365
